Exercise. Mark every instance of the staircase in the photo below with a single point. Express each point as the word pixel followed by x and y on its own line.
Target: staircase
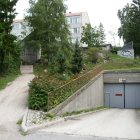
pixel 26 69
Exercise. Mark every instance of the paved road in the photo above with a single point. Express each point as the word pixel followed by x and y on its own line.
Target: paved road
pixel 120 123
pixel 13 102
pixel 56 136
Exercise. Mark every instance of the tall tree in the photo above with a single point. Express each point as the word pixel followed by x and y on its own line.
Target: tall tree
pixel 130 23
pixel 7 45
pixel 77 63
pixel 102 34
pixel 49 26
pixel 90 36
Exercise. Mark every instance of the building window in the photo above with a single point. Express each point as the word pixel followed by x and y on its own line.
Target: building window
pixel 75 30
pixel 78 20
pixel 74 20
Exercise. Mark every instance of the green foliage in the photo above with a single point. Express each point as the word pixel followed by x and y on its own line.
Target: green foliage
pixel 130 23
pixel 93 55
pixel 82 111
pixel 93 37
pixel 77 63
pixel 54 89
pixel 114 50
pixel 49 116
pixel 9 52
pixel 118 63
pixel 19 122
pixel 49 27
pixel 38 96
pixel 62 63
pixel 7 78
pixel 101 34
pixel 60 94
pixel 39 89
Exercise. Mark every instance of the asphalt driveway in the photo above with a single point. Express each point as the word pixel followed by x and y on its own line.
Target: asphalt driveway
pixel 113 123
pixel 13 103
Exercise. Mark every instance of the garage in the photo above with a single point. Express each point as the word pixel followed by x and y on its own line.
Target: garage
pixel 122 90
pixel 122 95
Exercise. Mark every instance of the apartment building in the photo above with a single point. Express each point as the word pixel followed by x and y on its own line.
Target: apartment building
pixel 75 22
pixel 20 29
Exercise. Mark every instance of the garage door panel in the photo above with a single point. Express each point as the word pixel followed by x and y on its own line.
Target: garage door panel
pixel 137 95
pixel 130 96
pixel 114 95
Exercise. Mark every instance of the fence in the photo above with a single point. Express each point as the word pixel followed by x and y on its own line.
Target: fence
pixel 62 93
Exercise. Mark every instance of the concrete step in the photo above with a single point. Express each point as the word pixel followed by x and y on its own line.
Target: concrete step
pixel 26 69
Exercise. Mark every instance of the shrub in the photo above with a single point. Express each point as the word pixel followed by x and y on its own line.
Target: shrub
pixel 38 96
pixel 93 54
pixel 61 63
pixel 114 50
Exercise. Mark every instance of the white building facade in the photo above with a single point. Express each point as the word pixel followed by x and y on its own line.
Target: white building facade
pixel 75 22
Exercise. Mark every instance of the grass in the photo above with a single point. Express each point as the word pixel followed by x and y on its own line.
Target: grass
pixel 39 69
pixel 82 111
pixel 120 63
pixel 5 79
pixel 23 133
pixel 19 122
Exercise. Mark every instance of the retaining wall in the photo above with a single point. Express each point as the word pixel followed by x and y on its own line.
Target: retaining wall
pixel 88 97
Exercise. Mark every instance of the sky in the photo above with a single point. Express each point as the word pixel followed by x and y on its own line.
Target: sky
pixel 104 11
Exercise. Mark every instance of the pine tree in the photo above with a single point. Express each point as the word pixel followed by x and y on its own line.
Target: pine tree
pixel 61 62
pixel 102 34
pixel 7 46
pixel 77 63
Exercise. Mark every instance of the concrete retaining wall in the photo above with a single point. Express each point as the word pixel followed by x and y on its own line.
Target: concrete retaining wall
pixel 88 97
pixel 122 76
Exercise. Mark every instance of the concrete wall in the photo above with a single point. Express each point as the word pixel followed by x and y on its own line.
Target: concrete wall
pixel 122 76
pixel 85 18
pixel 88 97
pixel 29 55
pixel 127 54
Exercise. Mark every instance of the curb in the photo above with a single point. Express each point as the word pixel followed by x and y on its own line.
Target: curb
pixel 83 114
pixel 23 125
pixel 47 124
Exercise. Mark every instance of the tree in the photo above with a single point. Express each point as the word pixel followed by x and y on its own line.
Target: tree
pixel 91 36
pixel 61 62
pixel 77 63
pixel 49 26
pixel 102 34
pixel 130 23
pixel 8 47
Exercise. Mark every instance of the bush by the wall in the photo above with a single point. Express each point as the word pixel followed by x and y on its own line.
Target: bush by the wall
pixel 93 55
pixel 38 96
pixel 114 50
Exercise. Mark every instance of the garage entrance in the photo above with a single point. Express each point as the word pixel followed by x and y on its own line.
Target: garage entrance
pixel 122 95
